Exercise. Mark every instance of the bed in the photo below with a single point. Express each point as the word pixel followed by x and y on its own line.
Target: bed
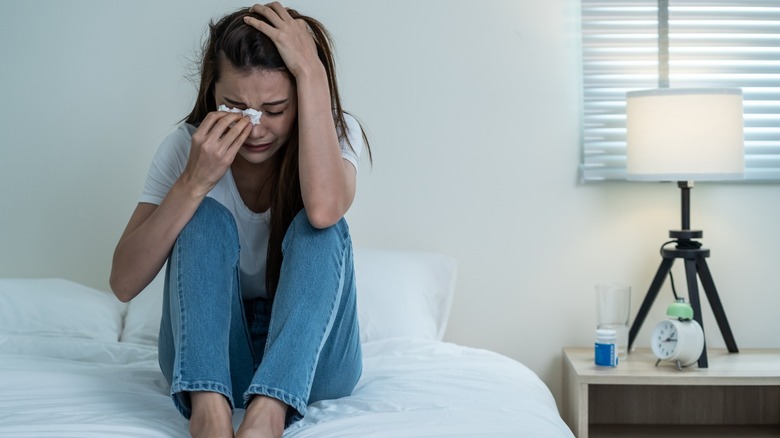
pixel 76 362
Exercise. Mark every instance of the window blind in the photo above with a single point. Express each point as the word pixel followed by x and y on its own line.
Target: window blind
pixel 641 44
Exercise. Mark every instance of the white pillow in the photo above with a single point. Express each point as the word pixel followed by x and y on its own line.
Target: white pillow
pixel 142 322
pixel 403 293
pixel 56 307
pixel 400 293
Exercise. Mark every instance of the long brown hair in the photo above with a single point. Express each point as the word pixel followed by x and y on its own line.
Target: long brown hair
pixel 248 49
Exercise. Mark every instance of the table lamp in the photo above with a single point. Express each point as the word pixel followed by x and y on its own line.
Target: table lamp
pixel 685 135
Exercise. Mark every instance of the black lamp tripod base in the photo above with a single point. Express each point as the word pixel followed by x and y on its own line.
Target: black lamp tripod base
pixel 695 263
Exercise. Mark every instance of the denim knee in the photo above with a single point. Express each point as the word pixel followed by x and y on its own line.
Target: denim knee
pixel 302 232
pixel 210 213
pixel 211 224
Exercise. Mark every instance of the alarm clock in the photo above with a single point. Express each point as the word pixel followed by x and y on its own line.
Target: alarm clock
pixel 678 339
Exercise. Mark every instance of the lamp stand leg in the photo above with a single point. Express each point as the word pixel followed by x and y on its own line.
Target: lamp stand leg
pixel 652 293
pixel 716 305
pixel 693 297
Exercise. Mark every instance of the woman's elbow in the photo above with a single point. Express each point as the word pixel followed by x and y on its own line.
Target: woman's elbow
pixel 324 217
pixel 120 289
pixel 121 294
pixel 321 221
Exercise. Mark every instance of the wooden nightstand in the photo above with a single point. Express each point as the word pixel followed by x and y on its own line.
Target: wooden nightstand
pixel 737 396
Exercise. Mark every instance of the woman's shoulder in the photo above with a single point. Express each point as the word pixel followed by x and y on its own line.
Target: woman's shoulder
pixel 178 140
pixel 352 123
pixel 168 163
pixel 174 150
pixel 354 134
pixel 182 133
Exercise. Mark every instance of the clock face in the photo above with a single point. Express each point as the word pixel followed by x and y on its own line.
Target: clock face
pixel 678 341
pixel 664 340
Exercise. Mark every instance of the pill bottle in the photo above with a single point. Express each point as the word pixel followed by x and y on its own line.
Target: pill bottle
pixel 606 348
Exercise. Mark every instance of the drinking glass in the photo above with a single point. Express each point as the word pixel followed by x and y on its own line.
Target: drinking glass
pixel 613 306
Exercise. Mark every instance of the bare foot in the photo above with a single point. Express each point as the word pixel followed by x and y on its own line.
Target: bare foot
pixel 211 416
pixel 264 418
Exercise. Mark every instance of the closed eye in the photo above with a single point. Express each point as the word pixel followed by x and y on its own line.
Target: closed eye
pixel 236 104
pixel 280 105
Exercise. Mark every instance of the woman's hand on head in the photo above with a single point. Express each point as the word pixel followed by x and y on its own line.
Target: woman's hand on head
pixel 291 37
pixel 214 147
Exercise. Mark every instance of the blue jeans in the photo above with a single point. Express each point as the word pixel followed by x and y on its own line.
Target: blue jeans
pixel 301 347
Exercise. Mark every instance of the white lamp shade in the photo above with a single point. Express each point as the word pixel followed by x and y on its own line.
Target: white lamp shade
pixel 677 134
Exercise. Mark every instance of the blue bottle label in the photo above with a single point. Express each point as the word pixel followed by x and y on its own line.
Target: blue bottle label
pixel 606 355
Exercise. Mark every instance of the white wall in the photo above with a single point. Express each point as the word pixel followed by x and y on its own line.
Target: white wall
pixel 472 110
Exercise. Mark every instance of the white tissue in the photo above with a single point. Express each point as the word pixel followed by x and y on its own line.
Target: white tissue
pixel 254 115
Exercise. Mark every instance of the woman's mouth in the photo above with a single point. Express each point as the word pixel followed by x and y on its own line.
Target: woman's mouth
pixel 257 147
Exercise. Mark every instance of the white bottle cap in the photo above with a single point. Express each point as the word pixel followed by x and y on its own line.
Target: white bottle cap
pixel 606 333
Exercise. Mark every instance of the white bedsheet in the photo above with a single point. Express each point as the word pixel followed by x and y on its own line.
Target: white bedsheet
pixel 63 387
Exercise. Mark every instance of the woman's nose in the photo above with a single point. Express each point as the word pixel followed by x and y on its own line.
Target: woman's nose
pixel 258 130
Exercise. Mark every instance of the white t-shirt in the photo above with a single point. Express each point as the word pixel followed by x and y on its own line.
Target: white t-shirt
pixel 253 228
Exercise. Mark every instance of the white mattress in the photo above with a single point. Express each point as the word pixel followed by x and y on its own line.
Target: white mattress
pixel 70 387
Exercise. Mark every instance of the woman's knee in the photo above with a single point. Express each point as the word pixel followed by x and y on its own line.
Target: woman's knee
pixel 211 234
pixel 211 215
pixel 302 232
pixel 212 222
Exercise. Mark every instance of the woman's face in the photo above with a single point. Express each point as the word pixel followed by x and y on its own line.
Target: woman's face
pixel 271 92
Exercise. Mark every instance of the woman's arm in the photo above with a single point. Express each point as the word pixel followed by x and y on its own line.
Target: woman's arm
pixel 327 179
pixel 152 230
pixel 148 239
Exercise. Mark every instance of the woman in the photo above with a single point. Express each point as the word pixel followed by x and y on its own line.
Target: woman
pixel 259 307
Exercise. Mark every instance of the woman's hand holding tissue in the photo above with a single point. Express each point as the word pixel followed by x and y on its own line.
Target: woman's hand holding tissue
pixel 214 146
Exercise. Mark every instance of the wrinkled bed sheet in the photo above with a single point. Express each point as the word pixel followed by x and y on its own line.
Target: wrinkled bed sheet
pixel 65 387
